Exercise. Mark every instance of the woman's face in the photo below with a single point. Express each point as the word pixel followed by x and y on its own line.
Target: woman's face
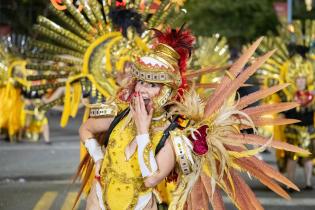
pixel 301 83
pixel 147 90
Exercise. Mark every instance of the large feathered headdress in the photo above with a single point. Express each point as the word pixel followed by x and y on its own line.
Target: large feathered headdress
pixel 167 62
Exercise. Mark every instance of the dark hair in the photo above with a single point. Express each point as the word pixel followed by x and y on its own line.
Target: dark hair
pixel 125 18
pixel 126 91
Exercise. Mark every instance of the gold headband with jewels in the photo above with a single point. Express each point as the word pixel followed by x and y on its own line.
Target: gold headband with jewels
pixel 160 66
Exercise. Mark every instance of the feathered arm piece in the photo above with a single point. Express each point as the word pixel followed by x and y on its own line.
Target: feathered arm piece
pixel 220 148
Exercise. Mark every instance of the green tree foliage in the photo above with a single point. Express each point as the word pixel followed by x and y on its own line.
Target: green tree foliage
pixel 240 21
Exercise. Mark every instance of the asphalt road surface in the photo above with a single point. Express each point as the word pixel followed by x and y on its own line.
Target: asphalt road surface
pixel 36 176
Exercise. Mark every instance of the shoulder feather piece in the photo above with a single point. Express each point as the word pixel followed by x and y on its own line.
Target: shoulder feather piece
pixel 219 148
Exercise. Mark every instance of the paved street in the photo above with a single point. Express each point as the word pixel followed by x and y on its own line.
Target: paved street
pixel 36 176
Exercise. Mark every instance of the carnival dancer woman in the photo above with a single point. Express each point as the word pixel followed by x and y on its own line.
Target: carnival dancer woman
pixel 155 128
pixel 128 174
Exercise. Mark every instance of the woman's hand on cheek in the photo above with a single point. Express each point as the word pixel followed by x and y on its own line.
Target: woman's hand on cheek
pixel 140 115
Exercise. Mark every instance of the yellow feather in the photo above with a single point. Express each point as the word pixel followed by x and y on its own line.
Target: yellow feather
pixel 247 153
pixel 108 64
pixel 77 91
pixel 67 105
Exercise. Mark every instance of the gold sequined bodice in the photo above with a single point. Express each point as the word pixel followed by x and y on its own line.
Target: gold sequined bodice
pixel 121 179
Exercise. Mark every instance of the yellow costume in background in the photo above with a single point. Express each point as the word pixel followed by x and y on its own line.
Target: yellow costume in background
pixel 35 126
pixel 12 70
pixel 294 59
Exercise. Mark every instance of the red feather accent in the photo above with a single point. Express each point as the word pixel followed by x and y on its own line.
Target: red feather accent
pixel 121 3
pixel 181 40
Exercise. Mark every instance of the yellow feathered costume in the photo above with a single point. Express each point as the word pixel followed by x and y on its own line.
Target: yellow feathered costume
pixel 12 116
